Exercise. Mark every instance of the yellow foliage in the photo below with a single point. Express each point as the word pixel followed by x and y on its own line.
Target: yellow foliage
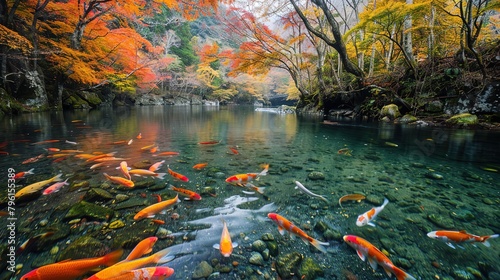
pixel 14 41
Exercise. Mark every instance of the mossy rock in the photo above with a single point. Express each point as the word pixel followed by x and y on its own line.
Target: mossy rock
pixel 391 111
pixel 310 270
pixel 408 119
pixel 84 247
pixel 464 119
pixel 287 265
pixel 85 209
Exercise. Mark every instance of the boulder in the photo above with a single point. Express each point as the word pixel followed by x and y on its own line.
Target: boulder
pixel 391 111
pixel 464 119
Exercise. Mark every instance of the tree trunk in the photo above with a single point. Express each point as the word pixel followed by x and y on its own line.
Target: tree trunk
pixel 407 37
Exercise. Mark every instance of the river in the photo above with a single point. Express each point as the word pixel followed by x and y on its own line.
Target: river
pixel 434 179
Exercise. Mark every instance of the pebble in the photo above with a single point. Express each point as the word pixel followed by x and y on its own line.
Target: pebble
pixel 202 270
pixel 43 222
pixel 116 224
pixel 256 258
pixel 54 250
pixel 259 246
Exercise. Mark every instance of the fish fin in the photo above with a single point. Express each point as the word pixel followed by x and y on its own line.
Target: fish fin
pixel 161 175
pixel 401 274
pixel 319 245
pixel 485 239
pixel 235 244
pixel 216 246
pixel 372 224
pixel 281 230
pixel 163 256
pixel 245 192
pixel 385 202
pixel 112 258
pixel 461 247
pixel 324 199
pixel 361 255
pixel 373 263
pixel 30 171
pixel 151 216
pixel 260 190
pixel 451 245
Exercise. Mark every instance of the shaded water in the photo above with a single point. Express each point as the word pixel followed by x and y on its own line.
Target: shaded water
pixel 434 178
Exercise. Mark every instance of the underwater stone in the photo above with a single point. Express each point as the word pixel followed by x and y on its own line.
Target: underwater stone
pixel 97 194
pixel 265 254
pixel 488 201
pixel 121 197
pixel 464 215
pixel 116 224
pixel 321 226
pixel 408 119
pixel 143 184
pixel 267 236
pixel 417 165
pixel 273 248
pixel 460 274
pixel 85 209
pixel 316 175
pixel 331 234
pixel 474 272
pixel 141 229
pixel 256 259
pixel 259 246
pixel 464 119
pixel 79 185
pixel 287 265
pixel 84 247
pixel 433 175
pixel 441 221
pixel 132 202
pixel 202 270
pixel 310 270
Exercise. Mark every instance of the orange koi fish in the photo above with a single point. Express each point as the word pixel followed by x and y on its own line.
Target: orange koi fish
pixel 375 257
pixel 156 166
pixel 94 157
pixel 152 210
pixel 225 245
pixel 46 142
pixel 84 156
pixel 124 169
pixel 35 187
pixel 117 270
pixel 139 136
pixel 143 247
pixel 146 273
pixel 177 176
pixel 367 217
pixel 242 179
pixel 21 175
pixel 103 159
pixel 119 180
pixel 71 151
pixel 145 172
pixel 284 224
pixel 55 187
pixel 58 155
pixel 356 197
pixel 462 236
pixel 53 150
pixel 72 269
pixel 190 194
pixel 121 142
pixel 234 151
pixel 167 154
pixel 200 166
pixel 33 159
pixel 97 165
pixel 214 142
pixel 154 149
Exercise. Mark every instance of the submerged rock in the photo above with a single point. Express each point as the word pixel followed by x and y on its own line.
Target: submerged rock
pixel 391 111
pixel 97 194
pixel 464 119
pixel 316 175
pixel 256 259
pixel 85 209
pixel 202 270
pixel 84 247
pixel 310 270
pixel 287 265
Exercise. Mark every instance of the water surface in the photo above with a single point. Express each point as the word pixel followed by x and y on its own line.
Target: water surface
pixel 435 178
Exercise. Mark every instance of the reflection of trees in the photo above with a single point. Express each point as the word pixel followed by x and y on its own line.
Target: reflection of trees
pixel 461 145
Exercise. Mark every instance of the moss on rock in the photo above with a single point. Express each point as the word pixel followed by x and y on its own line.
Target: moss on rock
pixel 464 119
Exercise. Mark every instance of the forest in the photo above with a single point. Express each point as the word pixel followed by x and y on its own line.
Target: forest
pixel 349 57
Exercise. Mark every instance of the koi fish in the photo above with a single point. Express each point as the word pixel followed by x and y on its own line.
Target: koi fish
pixel 390 144
pixel 209 142
pixel 21 175
pixel 345 151
pixel 200 166
pixel 104 159
pixel 190 194
pixel 242 179
pixel 71 151
pixel 72 269
pixel 145 246
pixel 234 151
pixel 53 150
pixel 152 210
pixel 156 166
pixel 70 142
pixel 284 224
pixel 308 192
pixel 55 187
pixel 130 142
pixel 139 136
pixel 117 270
pixel 177 176
pixel 225 245
pixel 146 273
pixel 167 154
pixel 460 237
pixel 33 159
pixel 255 188
pixel 356 196
pixel 119 180
pixel 97 165
pixel 94 157
pixel 154 149
pixel 148 147
pixel 145 172
pixel 367 217
pixel 46 142
pixel 366 250
pixel 35 187
pixel 124 169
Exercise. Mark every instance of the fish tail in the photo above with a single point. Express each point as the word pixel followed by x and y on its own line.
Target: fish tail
pixel 161 175
pixel 485 239
pixel 385 202
pixel 401 274
pixel 264 172
pixel 112 258
pixel 163 256
pixel 260 189
pixel 56 178
pixel 319 245
pixel 30 171
pixel 324 199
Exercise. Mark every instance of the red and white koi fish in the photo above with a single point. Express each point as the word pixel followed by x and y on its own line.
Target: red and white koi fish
pixel 367 217
pixel 55 187
pixel 71 269
pixel 21 175
pixel 225 245
pixel 284 224
pixel 242 179
pixel 191 195
pixel 177 176
pixel 156 166
pixel 145 273
pixel 366 250
pixel 462 236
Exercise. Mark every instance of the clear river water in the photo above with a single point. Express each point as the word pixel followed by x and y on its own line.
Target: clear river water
pixel 434 179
